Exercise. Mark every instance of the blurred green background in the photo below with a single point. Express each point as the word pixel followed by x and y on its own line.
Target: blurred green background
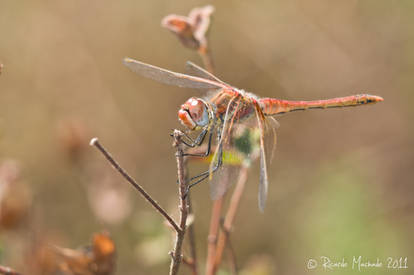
pixel 340 183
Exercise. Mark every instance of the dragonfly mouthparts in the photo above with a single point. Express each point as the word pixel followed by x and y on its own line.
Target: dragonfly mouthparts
pixel 185 118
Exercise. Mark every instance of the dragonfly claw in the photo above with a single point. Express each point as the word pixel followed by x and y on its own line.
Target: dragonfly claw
pixel 187 190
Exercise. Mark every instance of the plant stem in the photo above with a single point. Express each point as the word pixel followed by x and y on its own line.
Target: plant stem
pixel 191 237
pixel 232 256
pixel 182 191
pixel 206 57
pixel 231 213
pixel 212 235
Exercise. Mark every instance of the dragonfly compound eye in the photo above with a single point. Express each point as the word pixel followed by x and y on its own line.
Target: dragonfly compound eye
pixel 193 113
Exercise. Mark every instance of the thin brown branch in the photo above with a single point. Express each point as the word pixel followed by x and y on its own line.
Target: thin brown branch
pixel 232 255
pixel 8 271
pixel 112 161
pixel 190 228
pixel 212 235
pixel 231 213
pixel 182 190
pixel 206 57
pixel 191 237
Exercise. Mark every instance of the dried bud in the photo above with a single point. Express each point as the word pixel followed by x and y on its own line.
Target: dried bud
pixel 103 246
pixel 190 30
pixel 97 259
pixel 104 254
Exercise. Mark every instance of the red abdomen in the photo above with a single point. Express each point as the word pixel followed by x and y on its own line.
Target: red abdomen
pixel 273 106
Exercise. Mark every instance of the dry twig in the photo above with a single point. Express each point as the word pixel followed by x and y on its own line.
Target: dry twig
pixel 231 213
pixel 180 229
pixel 182 190
pixel 191 236
pixel 95 142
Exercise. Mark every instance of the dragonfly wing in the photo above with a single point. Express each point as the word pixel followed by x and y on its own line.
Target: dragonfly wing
pixel 170 77
pixel 198 71
pixel 221 182
pixel 271 142
pixel 264 182
pixel 219 187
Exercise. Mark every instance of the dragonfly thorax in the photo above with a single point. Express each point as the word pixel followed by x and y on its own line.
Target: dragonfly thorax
pixel 194 113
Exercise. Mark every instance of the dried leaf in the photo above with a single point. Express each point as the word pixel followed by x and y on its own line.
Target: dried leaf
pixel 190 30
pixel 97 259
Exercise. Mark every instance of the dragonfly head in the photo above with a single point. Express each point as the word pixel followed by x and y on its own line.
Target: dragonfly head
pixel 194 113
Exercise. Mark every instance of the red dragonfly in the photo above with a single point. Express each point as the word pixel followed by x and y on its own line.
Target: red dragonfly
pixel 222 109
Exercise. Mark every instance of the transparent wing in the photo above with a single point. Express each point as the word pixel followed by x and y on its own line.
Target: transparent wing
pixel 169 77
pixel 264 182
pixel 271 125
pixel 247 139
pixel 224 178
pixel 198 71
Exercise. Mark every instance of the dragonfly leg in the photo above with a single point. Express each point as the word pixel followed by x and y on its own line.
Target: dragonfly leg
pixel 207 152
pixel 199 178
pixel 197 142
